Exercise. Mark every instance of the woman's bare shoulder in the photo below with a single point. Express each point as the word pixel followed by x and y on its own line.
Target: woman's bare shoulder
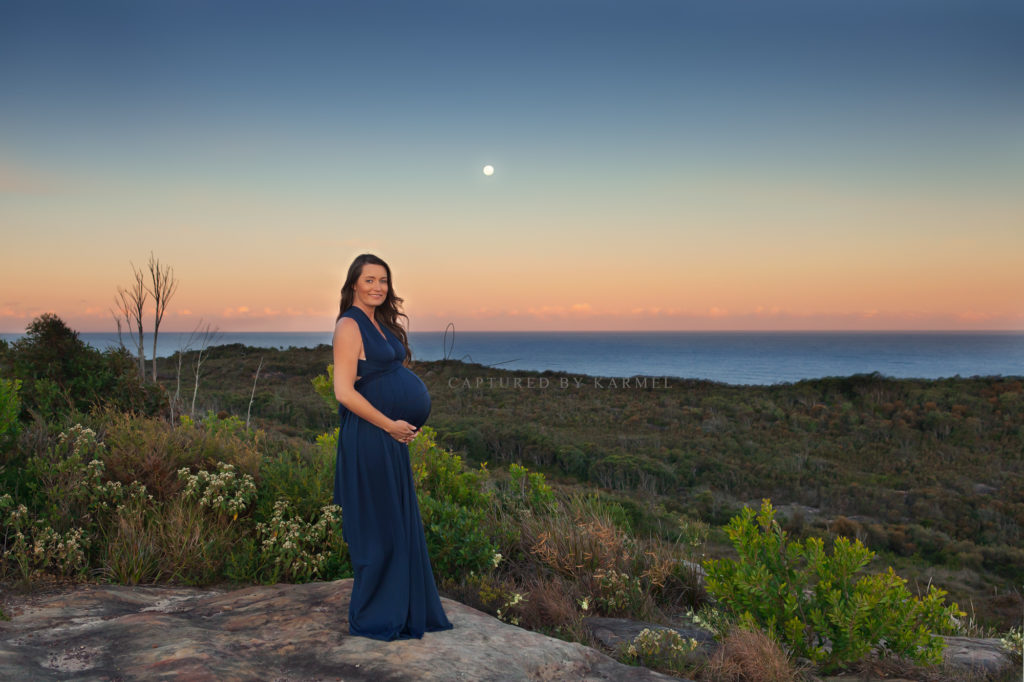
pixel 347 328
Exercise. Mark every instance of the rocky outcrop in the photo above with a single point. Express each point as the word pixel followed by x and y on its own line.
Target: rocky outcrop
pixel 278 632
pixel 973 655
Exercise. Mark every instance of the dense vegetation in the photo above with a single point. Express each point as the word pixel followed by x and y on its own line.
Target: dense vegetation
pixel 543 503
pixel 929 474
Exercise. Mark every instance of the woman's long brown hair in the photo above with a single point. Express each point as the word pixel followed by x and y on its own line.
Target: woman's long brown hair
pixel 388 312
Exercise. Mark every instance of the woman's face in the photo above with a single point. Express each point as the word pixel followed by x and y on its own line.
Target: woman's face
pixel 372 286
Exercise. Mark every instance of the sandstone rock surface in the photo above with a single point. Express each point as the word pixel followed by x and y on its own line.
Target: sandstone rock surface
pixel 279 632
pixel 977 655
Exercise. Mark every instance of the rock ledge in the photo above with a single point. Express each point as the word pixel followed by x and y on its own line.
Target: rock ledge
pixel 278 632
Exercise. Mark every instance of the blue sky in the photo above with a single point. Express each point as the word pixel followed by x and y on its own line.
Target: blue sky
pixel 782 156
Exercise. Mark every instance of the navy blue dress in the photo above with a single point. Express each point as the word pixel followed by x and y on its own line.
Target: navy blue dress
pixel 393 593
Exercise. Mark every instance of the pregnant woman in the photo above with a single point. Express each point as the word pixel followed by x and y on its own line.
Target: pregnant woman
pixel 382 406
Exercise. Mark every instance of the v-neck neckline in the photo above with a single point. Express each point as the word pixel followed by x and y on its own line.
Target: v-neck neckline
pixel 382 334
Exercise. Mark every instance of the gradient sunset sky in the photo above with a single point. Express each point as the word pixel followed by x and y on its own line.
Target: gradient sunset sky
pixel 659 164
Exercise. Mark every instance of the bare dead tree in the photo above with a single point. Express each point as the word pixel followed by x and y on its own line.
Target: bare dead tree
pixel 184 345
pixel 130 305
pixel 205 336
pixel 118 316
pixel 252 396
pixel 162 285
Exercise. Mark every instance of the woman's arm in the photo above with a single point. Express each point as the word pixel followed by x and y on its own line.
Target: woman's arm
pixel 348 343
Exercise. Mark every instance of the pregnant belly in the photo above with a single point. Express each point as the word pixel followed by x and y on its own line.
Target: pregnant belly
pixel 402 395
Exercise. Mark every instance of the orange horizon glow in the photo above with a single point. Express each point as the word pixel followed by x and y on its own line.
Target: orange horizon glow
pixel 579 317
pixel 758 289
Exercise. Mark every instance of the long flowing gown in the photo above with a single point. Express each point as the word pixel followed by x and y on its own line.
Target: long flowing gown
pixel 393 595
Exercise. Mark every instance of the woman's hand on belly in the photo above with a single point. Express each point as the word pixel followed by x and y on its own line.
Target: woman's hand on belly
pixel 402 431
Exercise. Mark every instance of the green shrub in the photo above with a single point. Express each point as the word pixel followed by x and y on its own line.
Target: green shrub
pixel 299 472
pixel 440 473
pixel 816 603
pixel 10 408
pixel 61 373
pixel 453 506
pixel 129 550
pixel 526 490
pixel 456 538
pixel 323 384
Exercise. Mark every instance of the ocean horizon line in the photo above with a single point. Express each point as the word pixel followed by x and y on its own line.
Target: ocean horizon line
pixel 732 357
pixel 570 331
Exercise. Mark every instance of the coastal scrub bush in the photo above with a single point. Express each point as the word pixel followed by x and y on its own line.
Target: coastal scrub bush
pixel 625 575
pixel 816 603
pixel 152 451
pixel 620 594
pixel 60 373
pixel 129 550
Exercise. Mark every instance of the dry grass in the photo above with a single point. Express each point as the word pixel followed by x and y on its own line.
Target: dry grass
pixel 194 547
pixel 749 656
pixel 551 603
pixel 623 575
pixel 180 542
pixel 131 553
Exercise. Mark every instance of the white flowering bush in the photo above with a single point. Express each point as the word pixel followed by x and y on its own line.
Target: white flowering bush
pixel 710 619
pixel 69 481
pixel 1013 641
pixel 618 592
pixel 294 550
pixel 32 547
pixel 505 612
pixel 80 440
pixel 661 648
pixel 224 491
pixel 71 504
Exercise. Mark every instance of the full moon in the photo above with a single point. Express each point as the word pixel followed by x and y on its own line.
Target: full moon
pixel 488 170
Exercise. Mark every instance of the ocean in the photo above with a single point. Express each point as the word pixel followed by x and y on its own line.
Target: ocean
pixel 728 357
